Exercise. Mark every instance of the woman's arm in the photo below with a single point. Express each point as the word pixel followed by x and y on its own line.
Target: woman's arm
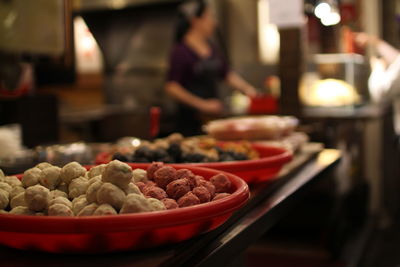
pixel 388 52
pixel 234 80
pixel 212 106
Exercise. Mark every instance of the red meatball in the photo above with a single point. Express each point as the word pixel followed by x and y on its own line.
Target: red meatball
pixel 185 173
pixel 221 182
pixel 146 186
pixel 153 168
pixel 198 180
pixel 178 188
pixel 141 185
pixel 155 192
pixel 164 176
pixel 220 196
pixel 202 193
pixel 170 203
pixel 150 183
pixel 189 199
pixel 207 184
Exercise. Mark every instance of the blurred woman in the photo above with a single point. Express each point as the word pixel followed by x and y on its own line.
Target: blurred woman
pixel 384 80
pixel 196 67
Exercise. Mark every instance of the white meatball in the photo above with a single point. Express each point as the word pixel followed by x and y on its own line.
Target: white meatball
pixel 63 187
pixel 94 179
pixel 96 171
pixel 111 194
pixel 59 209
pixel 79 203
pixel 16 191
pixel 139 175
pixel 37 197
pixel 118 173
pixel 12 180
pixel 31 177
pixel 20 210
pixel 88 210
pixel 43 165
pixel 4 195
pixel 50 177
pixel 155 204
pixel 18 200
pixel 57 193
pixel 61 200
pixel 105 209
pixel 78 187
pixel 91 193
pixel 135 203
pixel 71 171
pixel 132 189
pixel 5 187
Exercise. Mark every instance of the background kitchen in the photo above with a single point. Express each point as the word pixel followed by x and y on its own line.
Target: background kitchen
pixel 93 71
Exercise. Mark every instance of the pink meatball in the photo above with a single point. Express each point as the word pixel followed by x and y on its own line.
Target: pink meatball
pixel 140 185
pixel 164 176
pixel 189 199
pixel 185 173
pixel 221 196
pixel 178 188
pixel 153 168
pixel 147 185
pixel 155 192
pixel 198 180
pixel 202 193
pixel 170 203
pixel 207 184
pixel 221 182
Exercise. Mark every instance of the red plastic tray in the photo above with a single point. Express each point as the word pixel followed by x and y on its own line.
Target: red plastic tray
pixel 252 171
pixel 95 234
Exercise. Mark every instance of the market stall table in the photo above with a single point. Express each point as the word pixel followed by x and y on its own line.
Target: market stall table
pixel 268 204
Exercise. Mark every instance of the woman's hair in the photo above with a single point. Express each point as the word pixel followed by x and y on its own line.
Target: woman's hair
pixel 188 10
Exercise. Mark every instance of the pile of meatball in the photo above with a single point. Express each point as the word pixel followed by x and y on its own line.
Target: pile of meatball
pixel 177 149
pixel 106 189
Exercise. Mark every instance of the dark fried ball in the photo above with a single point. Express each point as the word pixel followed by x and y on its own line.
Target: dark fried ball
pixel 155 192
pixel 153 168
pixel 164 176
pixel 200 181
pixel 189 199
pixel 202 193
pixel 221 182
pixel 178 188
pixel 188 174
pixel 170 203
pixel 221 196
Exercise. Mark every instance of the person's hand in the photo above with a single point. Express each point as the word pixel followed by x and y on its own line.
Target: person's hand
pixel 362 39
pixel 250 91
pixel 212 106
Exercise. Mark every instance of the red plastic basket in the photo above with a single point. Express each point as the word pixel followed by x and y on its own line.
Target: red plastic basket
pixel 95 234
pixel 265 168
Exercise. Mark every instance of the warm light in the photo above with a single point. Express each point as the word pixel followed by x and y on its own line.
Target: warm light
pixel 329 92
pixel 87 52
pixel 330 19
pixel 136 142
pixel 322 10
pixel 328 156
pixel 268 35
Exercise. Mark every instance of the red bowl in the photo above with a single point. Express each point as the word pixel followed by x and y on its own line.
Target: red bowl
pixel 252 171
pixel 94 234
